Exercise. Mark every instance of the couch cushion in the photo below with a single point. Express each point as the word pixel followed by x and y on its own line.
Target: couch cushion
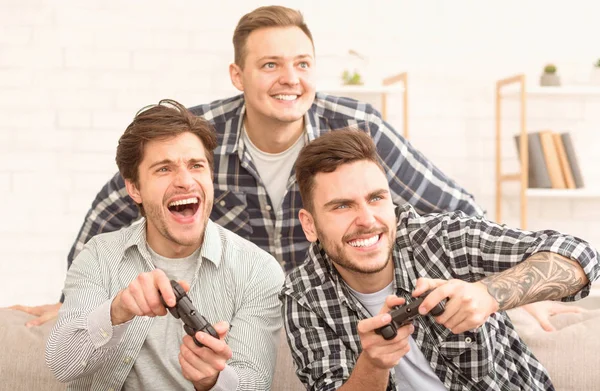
pixel 22 365
pixel 285 378
pixel 569 353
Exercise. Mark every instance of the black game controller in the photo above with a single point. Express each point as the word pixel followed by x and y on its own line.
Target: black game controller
pixel 403 315
pixel 184 310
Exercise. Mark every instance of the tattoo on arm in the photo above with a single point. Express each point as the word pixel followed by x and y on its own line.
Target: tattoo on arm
pixel 542 276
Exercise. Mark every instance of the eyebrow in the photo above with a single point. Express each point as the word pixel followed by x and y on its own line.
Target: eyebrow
pixel 298 57
pixel 338 201
pixel 169 162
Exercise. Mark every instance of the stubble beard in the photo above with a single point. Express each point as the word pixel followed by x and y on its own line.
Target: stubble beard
pixel 337 255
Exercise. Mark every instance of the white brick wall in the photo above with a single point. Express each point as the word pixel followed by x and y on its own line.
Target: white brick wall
pixel 72 75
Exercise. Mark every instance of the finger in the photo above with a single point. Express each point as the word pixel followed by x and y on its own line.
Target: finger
pixel 42 319
pixel 137 290
pixel 189 370
pixel 151 294
pixel 219 347
pixel 451 308
pixel 27 309
pixel 567 309
pixel 425 284
pixel 436 296
pixel 457 323
pixel 163 285
pixel 390 302
pixel 129 302
pixel 184 285
pixel 546 325
pixel 370 324
pixel 222 328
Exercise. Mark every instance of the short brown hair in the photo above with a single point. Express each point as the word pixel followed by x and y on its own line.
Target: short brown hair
pixel 329 151
pixel 269 16
pixel 156 122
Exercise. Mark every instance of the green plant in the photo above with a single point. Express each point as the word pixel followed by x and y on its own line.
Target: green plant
pixel 351 78
pixel 550 68
pixel 597 63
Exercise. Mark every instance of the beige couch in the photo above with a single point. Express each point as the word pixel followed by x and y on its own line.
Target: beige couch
pixel 569 354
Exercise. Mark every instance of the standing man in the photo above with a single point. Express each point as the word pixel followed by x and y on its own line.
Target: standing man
pixel 365 258
pixel 112 331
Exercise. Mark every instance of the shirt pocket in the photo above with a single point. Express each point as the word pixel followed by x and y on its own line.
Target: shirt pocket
pixel 230 211
pixel 470 352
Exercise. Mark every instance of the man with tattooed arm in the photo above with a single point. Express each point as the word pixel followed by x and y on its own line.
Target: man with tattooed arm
pixel 368 256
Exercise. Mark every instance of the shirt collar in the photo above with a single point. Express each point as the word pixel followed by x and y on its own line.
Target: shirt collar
pixel 211 246
pixel 311 127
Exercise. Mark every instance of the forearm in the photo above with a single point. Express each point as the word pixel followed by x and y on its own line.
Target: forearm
pixel 366 377
pixel 542 276
pixel 77 346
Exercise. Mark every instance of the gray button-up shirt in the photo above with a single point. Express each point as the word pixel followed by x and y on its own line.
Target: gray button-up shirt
pixel 234 281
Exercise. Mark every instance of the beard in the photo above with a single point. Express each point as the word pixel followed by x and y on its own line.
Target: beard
pixel 340 257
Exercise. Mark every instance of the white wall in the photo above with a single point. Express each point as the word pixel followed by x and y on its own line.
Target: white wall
pixel 73 74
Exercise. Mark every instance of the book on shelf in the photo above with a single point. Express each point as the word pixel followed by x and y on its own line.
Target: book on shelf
pixel 564 161
pixel 537 172
pixel 552 161
pixel 572 159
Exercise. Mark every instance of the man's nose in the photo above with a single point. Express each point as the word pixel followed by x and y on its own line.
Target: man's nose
pixel 365 217
pixel 289 75
pixel 184 179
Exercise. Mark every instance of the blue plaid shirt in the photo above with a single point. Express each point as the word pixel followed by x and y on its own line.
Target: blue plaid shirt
pixel 321 314
pixel 241 202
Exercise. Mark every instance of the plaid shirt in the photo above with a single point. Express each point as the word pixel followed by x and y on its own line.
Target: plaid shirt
pixel 321 315
pixel 241 201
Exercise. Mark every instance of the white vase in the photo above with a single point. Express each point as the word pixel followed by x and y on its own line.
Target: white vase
pixel 595 76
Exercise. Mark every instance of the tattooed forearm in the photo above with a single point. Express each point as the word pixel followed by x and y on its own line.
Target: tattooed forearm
pixel 543 276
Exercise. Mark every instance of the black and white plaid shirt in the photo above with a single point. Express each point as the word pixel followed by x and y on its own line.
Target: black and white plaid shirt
pixel 241 201
pixel 321 315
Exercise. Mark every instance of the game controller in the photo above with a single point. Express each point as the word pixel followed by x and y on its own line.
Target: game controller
pixel 403 315
pixel 185 310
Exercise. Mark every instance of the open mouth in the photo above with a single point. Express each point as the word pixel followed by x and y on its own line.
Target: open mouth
pixel 365 242
pixel 184 208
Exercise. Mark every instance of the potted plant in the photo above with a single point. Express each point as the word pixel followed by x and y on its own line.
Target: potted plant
pixel 349 78
pixel 549 77
pixel 595 75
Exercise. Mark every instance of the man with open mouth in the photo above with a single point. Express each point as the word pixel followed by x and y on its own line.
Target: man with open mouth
pixel 112 332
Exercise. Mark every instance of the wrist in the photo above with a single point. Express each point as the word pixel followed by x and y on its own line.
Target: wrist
pixel 494 303
pixel 118 315
pixel 206 384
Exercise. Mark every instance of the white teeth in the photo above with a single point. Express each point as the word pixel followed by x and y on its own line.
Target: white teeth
pixel 192 200
pixel 286 97
pixel 364 242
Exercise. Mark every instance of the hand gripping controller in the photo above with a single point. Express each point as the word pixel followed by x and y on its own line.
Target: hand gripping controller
pixel 184 310
pixel 403 315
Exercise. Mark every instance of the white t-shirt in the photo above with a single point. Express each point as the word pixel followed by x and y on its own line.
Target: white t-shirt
pixel 274 168
pixel 413 372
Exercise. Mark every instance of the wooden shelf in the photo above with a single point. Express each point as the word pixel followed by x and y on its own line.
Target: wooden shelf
pixel 536 91
pixel 563 193
pixel 518 88
pixel 390 85
pixel 366 89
